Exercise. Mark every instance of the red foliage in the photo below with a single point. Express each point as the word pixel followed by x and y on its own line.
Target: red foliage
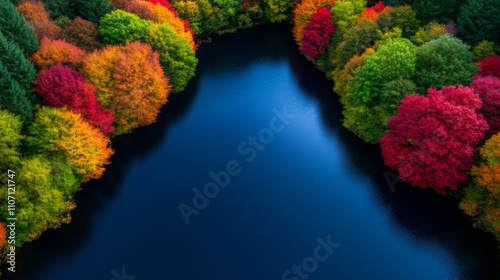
pixel 488 89
pixel 317 33
pixel 83 33
pixel 165 4
pixel 373 12
pixel 432 138
pixel 61 86
pixel 490 66
pixel 45 29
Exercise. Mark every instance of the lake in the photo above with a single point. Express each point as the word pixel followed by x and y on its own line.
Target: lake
pixel 249 175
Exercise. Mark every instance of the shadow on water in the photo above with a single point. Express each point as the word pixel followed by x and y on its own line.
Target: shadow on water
pixel 422 213
pixel 55 244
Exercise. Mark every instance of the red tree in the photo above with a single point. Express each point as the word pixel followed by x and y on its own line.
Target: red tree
pixel 165 4
pixel 317 33
pixel 490 66
pixel 373 12
pixel 61 86
pixel 488 89
pixel 432 138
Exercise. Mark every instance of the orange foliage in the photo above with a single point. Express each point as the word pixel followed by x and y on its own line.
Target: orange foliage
pixel 33 11
pixel 129 81
pixel 53 52
pixel 303 13
pixel 488 174
pixel 373 12
pixel 61 131
pixel 165 15
pixel 3 233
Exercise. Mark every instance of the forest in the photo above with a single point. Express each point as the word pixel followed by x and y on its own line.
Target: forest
pixel 420 78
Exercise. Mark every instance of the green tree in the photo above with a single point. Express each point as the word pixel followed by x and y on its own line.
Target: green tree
pixel 20 68
pixel 375 93
pixel 92 10
pixel 429 32
pixel 442 62
pixel 483 50
pixel 357 39
pixel 58 8
pixel 13 26
pixel 191 11
pixel 118 27
pixel 479 20
pixel 405 18
pixel 436 10
pixel 277 10
pixel 13 98
pixel 345 15
pixel 10 140
pixel 177 57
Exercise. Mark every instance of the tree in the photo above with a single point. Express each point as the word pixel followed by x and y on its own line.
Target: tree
pixel 19 67
pixel 488 89
pixel 13 98
pixel 372 13
pixel 33 11
pixel 191 10
pixel 436 10
pixel 490 66
pixel 60 86
pixel 366 109
pixel 141 10
pixel 317 34
pixel 429 32
pixel 432 138
pixel 345 15
pixel 277 10
pixel 130 82
pixel 10 140
pixel 118 27
pixel 165 15
pixel 357 39
pixel 92 10
pixel 3 236
pixel 302 15
pixel 82 33
pixel 13 26
pixel 482 50
pixel 479 20
pixel 405 18
pixel 342 77
pixel 53 52
pixel 60 132
pixel 58 8
pixel 177 56
pixel 442 62
pixel 39 206
pixel 482 195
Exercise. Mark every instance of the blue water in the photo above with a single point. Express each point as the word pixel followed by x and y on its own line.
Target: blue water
pixel 303 182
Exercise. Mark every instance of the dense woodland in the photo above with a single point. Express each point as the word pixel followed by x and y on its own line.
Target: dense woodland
pixel 420 78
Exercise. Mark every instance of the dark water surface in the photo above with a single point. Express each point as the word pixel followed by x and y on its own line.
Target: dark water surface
pixel 302 182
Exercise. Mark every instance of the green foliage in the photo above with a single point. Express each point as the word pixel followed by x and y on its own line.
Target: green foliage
pixel 62 21
pixel 442 62
pixel 118 27
pixel 14 27
pixel 191 11
pixel 177 57
pixel 92 10
pixel 20 68
pixel 13 97
pixel 429 32
pixel 277 10
pixel 58 8
pixel 479 20
pixel 357 39
pixel 436 10
pixel 378 87
pixel 482 50
pixel 10 140
pixel 345 15
pixel 405 18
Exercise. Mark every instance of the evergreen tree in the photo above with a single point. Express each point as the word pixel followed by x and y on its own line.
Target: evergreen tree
pixel 13 26
pixel 479 20
pixel 13 97
pixel 92 10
